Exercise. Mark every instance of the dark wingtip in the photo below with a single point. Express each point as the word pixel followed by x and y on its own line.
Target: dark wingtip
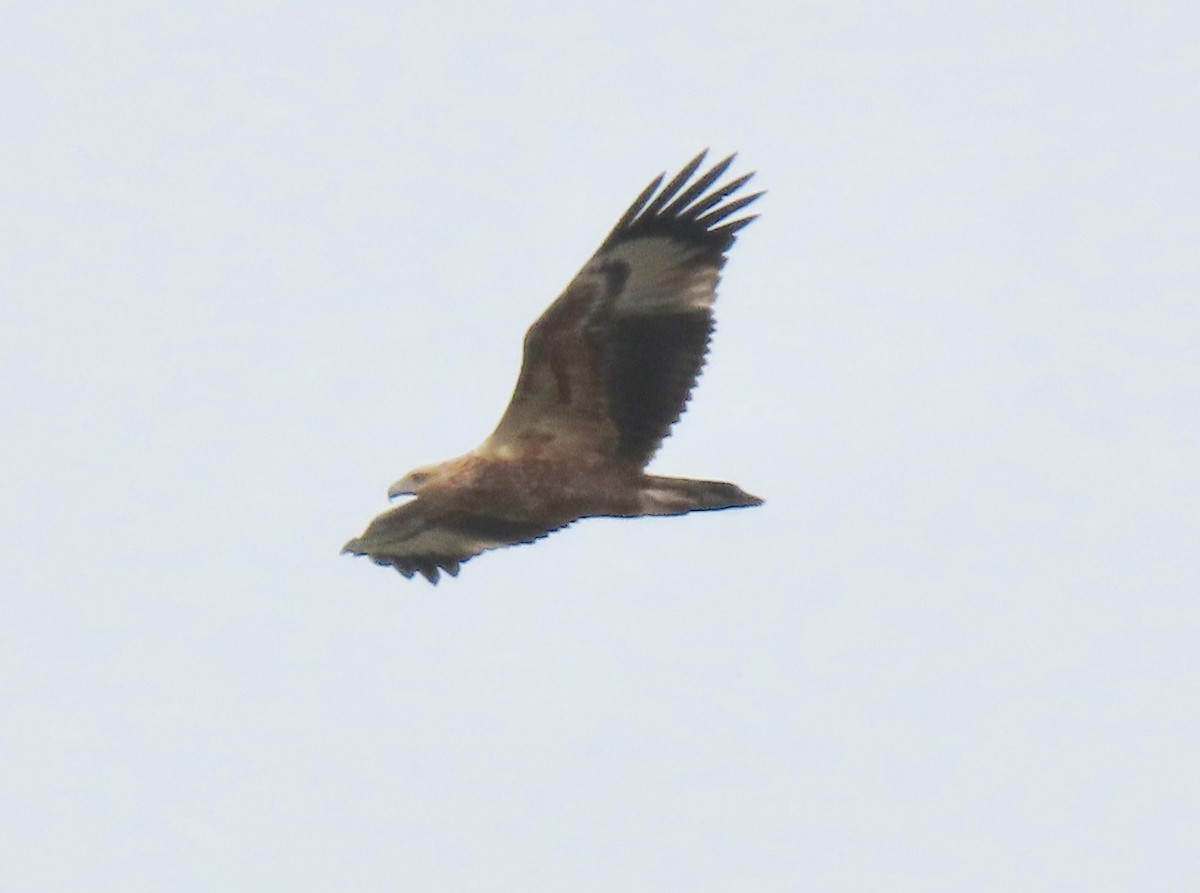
pixel 690 213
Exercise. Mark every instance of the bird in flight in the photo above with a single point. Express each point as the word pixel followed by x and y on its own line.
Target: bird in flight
pixel 608 368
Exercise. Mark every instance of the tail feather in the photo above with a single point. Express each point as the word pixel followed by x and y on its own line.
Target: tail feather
pixel 678 496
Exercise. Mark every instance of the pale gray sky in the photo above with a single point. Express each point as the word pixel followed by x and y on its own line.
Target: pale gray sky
pixel 261 259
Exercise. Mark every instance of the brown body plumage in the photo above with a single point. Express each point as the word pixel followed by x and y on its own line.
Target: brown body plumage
pixel 608 369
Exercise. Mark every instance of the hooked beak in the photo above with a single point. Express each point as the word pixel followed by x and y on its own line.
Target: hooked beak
pixel 401 488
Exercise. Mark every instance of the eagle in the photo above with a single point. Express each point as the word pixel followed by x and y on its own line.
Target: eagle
pixel 607 370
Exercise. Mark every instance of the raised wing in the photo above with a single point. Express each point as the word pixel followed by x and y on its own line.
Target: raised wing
pixel 609 367
pixel 421 537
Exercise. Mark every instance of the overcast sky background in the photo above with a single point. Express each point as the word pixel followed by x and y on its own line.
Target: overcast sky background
pixel 260 259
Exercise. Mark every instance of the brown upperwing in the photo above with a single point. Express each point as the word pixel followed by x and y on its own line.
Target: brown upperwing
pixel 609 367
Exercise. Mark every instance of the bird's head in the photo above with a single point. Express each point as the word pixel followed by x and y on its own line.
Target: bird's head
pixel 415 481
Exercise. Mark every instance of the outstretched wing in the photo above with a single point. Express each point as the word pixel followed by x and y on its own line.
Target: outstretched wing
pixel 423 537
pixel 609 367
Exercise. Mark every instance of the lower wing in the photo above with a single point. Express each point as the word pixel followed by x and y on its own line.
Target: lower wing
pixel 415 539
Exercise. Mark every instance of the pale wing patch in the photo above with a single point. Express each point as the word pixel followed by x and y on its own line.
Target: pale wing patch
pixel 664 276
